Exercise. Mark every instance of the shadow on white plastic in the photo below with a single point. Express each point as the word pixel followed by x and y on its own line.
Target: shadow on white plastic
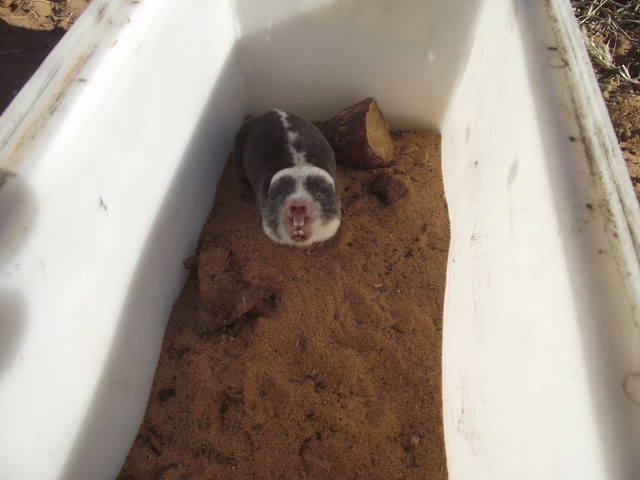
pixel 317 62
pixel 120 401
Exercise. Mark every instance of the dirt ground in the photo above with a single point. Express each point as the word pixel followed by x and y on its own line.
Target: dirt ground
pixel 29 29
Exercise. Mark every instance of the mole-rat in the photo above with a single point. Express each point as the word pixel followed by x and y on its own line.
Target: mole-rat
pixel 292 170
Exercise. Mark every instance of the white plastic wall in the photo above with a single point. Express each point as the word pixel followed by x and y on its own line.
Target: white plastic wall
pixel 109 159
pixel 111 174
pixel 541 330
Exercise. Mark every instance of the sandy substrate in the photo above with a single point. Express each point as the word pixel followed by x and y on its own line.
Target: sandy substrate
pixel 342 377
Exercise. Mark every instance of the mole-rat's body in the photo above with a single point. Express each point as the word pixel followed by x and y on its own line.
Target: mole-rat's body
pixel 292 169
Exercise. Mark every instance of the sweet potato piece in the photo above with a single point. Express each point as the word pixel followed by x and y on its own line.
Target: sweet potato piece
pixel 359 136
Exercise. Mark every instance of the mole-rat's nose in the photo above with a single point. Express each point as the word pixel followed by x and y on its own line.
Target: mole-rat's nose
pixel 298 214
pixel 296 210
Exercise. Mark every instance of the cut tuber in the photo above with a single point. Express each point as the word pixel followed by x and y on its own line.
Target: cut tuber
pixel 359 136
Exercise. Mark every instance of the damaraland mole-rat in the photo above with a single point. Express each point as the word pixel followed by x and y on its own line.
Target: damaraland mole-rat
pixel 292 169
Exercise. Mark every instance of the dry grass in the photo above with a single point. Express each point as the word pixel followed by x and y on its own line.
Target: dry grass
pixel 611 29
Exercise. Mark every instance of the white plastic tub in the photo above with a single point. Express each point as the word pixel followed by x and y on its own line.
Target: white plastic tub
pixel 110 157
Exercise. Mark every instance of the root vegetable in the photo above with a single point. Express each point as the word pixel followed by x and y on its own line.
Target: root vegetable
pixel 359 136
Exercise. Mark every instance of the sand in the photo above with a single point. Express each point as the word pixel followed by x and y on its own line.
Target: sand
pixel 338 374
